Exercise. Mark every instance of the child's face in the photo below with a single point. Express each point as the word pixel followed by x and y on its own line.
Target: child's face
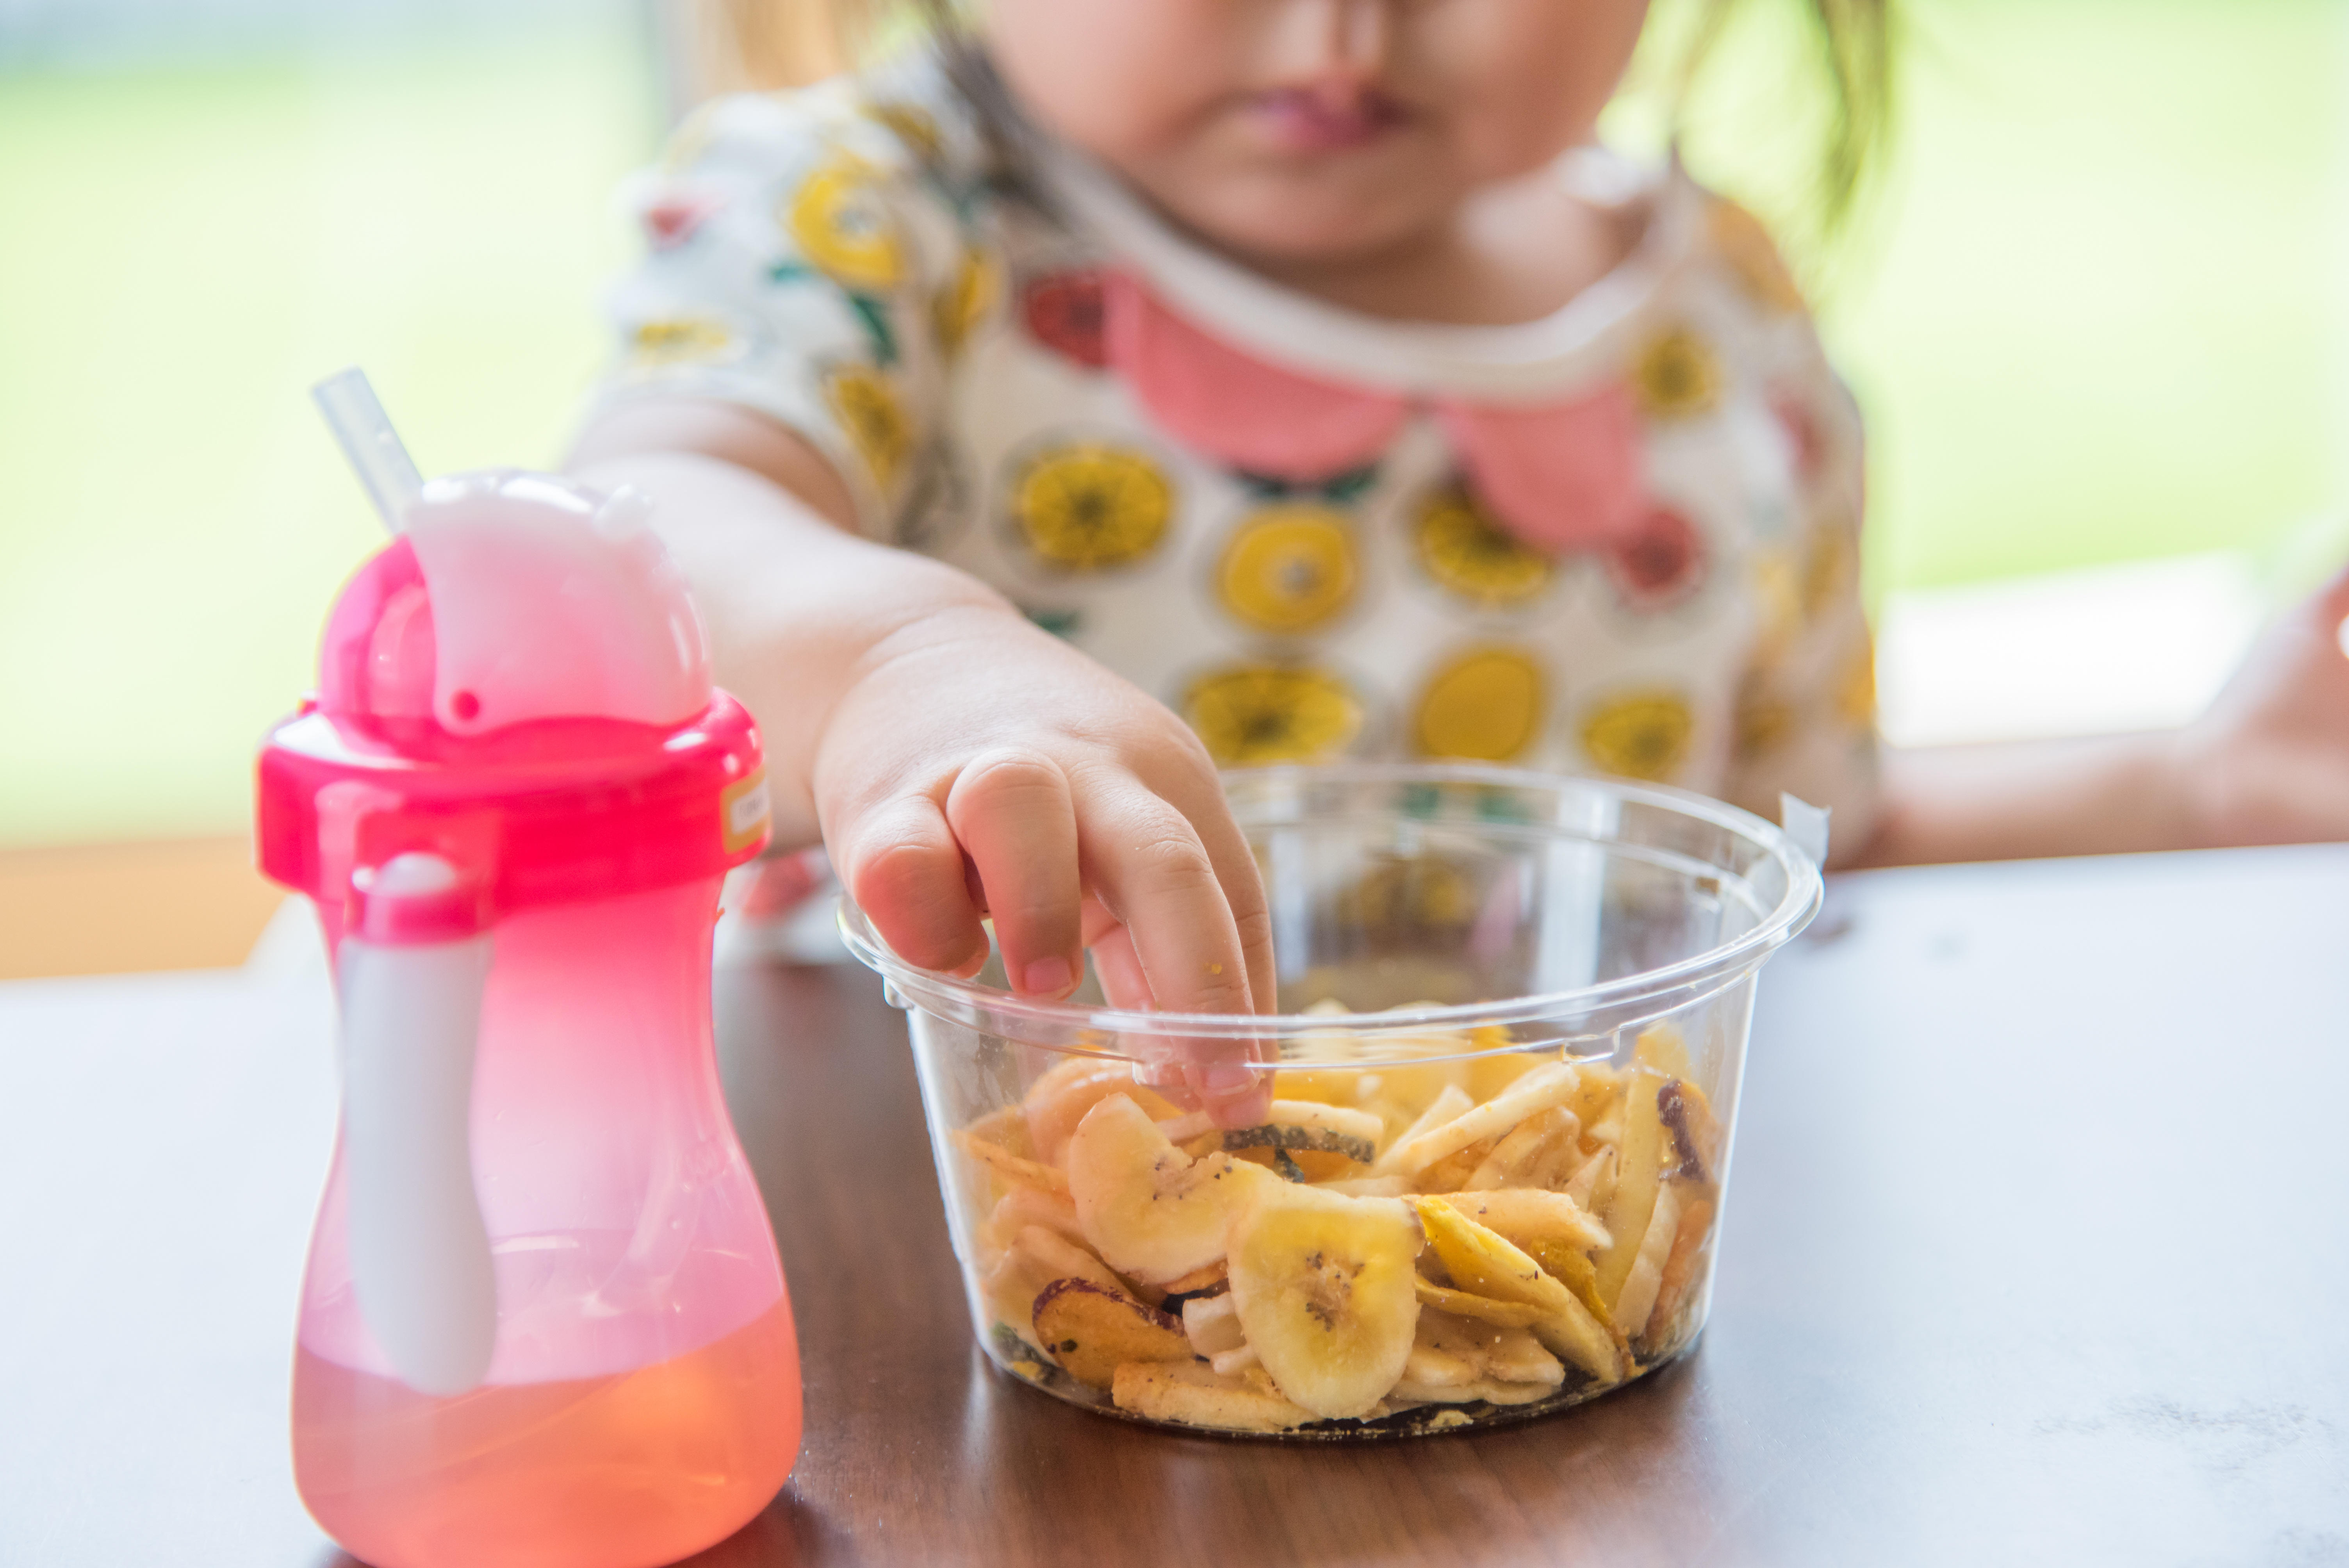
pixel 1314 129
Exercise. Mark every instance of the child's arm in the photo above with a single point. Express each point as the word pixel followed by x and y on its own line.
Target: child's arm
pixel 2267 764
pixel 955 759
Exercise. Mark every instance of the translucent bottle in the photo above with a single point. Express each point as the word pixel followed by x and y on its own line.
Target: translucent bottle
pixel 544 1320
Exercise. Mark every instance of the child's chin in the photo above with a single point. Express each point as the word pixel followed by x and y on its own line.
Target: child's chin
pixel 1298 223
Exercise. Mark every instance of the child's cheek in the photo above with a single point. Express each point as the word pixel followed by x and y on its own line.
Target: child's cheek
pixel 1119 81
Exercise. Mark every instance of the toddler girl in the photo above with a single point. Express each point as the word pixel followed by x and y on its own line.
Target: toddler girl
pixel 1101 394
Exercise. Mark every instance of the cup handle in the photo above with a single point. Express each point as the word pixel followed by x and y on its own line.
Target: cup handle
pixel 411 994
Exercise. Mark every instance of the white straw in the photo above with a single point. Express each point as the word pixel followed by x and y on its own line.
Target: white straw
pixel 367 439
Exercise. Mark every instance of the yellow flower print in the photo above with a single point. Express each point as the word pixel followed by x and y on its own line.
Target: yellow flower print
pixel 1464 550
pixel 1287 569
pixel 1764 718
pixel 841 220
pixel 680 340
pixel 913 125
pixel 1855 693
pixel 1747 247
pixel 963 304
pixel 1778 598
pixel 1640 734
pixel 1253 714
pixel 1486 706
pixel 1677 376
pixel 1828 560
pixel 872 418
pixel 1088 507
pixel 1412 896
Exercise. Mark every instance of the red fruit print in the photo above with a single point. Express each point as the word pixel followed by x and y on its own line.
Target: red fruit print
pixel 1064 313
pixel 1803 433
pixel 670 218
pixel 1660 564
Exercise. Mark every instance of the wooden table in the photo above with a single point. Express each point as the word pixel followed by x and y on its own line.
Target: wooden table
pixel 2037 1253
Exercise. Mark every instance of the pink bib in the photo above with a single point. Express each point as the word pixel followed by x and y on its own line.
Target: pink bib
pixel 1560 477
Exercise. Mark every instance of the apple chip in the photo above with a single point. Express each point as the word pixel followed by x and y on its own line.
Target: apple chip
pixel 1091 1331
pixel 1547 1085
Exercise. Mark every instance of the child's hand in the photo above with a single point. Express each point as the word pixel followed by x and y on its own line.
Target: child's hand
pixel 2269 762
pixel 975 765
pixel 957 760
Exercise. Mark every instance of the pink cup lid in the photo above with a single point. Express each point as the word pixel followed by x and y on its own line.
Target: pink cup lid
pixel 518 685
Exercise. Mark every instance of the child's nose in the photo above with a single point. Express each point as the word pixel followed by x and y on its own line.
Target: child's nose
pixel 1324 40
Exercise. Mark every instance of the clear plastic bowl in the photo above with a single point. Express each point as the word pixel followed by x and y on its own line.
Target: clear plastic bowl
pixel 1490 1188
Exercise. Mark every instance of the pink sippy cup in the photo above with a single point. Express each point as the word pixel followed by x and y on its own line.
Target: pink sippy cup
pixel 544 1321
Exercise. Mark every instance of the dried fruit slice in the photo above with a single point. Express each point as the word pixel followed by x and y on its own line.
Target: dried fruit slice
pixel 1483 1309
pixel 1009 1167
pixel 1210 1277
pixel 1151 1211
pixel 1368 1186
pixel 1638 1175
pixel 1024 1206
pixel 1451 1174
pixel 1449 1350
pixel 1661 1050
pixel 1296 1125
pixel 1035 1258
pixel 1592 1185
pixel 1638 1300
pixel 1198 1395
pixel 1450 1103
pixel 1688 1116
pixel 1572 1267
pixel 1525 1158
pixel 1062 1095
pixel 1525 1216
pixel 1490 1392
pixel 1679 1267
pixel 1323 1287
pixel 1091 1331
pixel 1600 1090
pixel 1212 1325
pixel 1485 1264
pixel 1491 1074
pixel 1551 1084
pixel 1007 1129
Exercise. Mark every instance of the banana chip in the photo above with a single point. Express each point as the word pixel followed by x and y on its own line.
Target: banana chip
pixel 1010 1167
pixel 1197 1395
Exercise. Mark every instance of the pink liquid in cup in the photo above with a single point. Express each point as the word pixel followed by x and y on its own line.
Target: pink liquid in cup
pixel 544 1321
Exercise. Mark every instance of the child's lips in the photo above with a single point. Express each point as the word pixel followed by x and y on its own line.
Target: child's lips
pixel 1313 120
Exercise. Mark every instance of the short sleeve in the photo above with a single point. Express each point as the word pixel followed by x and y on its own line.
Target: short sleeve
pixel 809 256
pixel 1806 711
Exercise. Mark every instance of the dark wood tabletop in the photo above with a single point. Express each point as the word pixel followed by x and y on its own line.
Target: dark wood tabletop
pixel 2036 1252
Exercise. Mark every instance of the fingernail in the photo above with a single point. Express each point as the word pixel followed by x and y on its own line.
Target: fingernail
pixel 1047 978
pixel 1226 1078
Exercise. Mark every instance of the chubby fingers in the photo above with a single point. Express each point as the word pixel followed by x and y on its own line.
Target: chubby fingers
pixel 1012 813
pixel 1213 1074
pixel 1200 797
pixel 1148 866
pixel 901 863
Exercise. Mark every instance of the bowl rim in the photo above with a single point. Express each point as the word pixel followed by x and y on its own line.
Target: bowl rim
pixel 1805 891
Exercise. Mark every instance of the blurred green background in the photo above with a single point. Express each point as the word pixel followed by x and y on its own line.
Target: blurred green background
pixel 2094 311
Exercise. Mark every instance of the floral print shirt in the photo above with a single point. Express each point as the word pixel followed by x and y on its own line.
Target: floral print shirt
pixel 1279 516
